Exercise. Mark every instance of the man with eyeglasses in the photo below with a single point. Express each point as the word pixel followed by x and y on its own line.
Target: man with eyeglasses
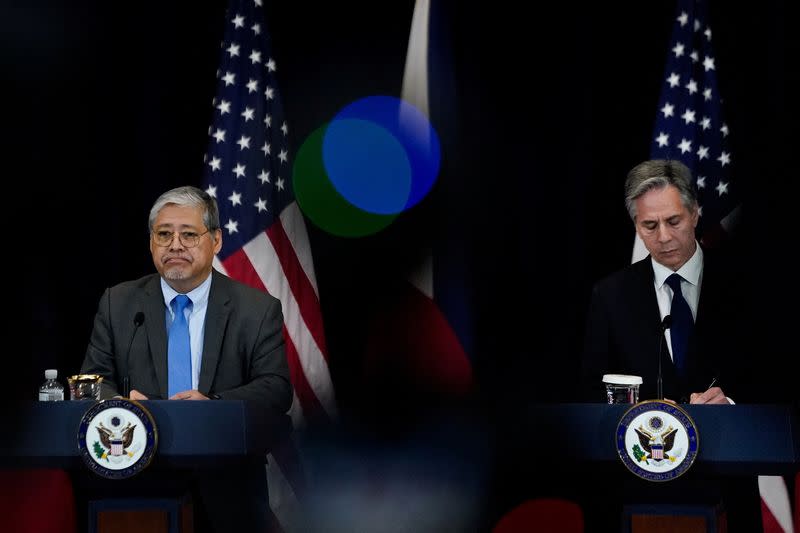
pixel 191 333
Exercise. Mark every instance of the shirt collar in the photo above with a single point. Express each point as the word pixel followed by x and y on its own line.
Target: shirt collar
pixel 690 271
pixel 198 295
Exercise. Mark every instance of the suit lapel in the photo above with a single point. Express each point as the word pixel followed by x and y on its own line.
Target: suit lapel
pixel 709 290
pixel 644 295
pixel 216 318
pixel 712 309
pixel 649 320
pixel 155 324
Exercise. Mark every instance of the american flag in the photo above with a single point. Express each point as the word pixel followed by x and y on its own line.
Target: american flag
pixel 265 243
pixel 690 127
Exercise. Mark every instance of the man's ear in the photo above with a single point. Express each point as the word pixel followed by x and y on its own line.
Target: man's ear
pixel 217 240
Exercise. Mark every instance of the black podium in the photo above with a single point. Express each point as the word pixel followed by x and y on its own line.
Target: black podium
pixel 192 436
pixel 571 449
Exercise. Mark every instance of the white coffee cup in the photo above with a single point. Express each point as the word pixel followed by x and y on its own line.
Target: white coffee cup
pixel 622 388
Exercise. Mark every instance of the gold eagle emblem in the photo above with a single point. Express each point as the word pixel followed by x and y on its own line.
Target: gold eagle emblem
pixel 126 434
pixel 648 440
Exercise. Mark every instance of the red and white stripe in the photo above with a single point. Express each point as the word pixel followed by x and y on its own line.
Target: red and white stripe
pixel 279 262
pixel 776 510
pixel 658 453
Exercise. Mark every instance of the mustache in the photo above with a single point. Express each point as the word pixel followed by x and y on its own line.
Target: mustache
pixel 167 257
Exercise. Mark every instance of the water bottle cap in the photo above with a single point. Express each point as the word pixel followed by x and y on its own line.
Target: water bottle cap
pixel 51 373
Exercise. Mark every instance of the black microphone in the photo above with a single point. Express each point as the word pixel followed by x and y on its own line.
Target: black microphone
pixel 665 325
pixel 138 320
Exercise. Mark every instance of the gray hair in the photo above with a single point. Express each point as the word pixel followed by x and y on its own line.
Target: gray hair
pixel 657 174
pixel 188 196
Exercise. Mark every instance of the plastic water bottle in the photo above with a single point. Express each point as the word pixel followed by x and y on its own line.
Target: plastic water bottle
pixel 51 390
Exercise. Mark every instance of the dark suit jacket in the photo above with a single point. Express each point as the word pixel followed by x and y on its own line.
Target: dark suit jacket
pixel 622 337
pixel 243 358
pixel 243 350
pixel 623 334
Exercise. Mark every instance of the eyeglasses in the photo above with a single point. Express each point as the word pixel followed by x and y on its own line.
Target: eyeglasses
pixel 189 239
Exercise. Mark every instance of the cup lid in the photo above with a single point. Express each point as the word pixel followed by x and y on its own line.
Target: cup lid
pixel 622 379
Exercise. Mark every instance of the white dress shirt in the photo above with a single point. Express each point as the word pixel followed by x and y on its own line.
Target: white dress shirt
pixel 692 274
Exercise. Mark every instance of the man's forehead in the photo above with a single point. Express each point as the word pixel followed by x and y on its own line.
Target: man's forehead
pixel 172 224
pixel 178 214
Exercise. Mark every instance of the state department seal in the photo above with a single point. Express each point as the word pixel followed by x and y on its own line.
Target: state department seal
pixel 657 440
pixel 117 438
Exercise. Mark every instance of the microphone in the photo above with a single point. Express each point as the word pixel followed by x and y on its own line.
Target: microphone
pixel 665 325
pixel 138 320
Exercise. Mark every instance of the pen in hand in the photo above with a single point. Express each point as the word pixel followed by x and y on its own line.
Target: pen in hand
pixel 695 396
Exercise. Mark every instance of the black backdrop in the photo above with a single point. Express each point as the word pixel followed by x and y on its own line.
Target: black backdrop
pixel 109 105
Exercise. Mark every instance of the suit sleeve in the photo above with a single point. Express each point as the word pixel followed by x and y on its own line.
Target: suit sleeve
pixel 595 359
pixel 100 355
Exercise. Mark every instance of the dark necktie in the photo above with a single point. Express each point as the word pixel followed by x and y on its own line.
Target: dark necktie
pixel 179 353
pixel 682 323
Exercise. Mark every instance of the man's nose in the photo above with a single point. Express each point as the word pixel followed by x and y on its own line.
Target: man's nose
pixel 663 233
pixel 176 243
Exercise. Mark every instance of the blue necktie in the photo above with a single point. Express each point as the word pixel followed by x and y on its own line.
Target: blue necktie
pixel 682 323
pixel 179 353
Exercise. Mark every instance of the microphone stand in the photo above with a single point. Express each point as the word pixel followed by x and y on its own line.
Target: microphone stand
pixel 665 325
pixel 138 320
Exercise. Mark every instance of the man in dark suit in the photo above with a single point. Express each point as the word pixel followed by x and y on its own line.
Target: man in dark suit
pixel 702 363
pixel 625 331
pixel 234 350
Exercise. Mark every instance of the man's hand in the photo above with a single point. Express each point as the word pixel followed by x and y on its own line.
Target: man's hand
pixel 136 395
pixel 189 395
pixel 712 395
